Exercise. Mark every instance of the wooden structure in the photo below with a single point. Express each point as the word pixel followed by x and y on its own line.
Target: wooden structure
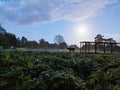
pixel 85 47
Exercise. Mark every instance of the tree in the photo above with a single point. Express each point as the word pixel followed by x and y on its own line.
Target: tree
pixel 43 43
pixel 53 46
pixel 3 41
pixel 8 40
pixel 23 41
pixel 99 38
pixel 32 44
pixel 18 42
pixel 63 45
pixel 59 39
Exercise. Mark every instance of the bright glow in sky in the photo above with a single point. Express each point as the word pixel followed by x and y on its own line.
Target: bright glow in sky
pixel 81 30
pixel 75 20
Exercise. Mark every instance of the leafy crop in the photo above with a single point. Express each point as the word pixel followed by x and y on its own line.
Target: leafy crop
pixel 35 70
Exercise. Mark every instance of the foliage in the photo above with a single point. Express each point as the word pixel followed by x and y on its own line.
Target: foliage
pixel 35 70
pixel 9 40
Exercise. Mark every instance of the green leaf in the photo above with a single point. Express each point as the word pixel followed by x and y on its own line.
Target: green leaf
pixel 3 83
pixel 28 77
pixel 30 64
pixel 8 56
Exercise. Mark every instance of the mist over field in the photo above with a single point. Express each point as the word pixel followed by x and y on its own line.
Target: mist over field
pixel 59 44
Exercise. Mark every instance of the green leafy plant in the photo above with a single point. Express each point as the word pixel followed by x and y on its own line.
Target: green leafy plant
pixel 37 70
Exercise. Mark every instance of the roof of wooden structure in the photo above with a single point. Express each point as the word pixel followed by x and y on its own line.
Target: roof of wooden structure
pixel 100 42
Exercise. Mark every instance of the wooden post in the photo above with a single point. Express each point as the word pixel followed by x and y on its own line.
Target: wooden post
pixel 88 46
pixel 95 47
pixel 111 47
pixel 85 47
pixel 80 47
pixel 104 47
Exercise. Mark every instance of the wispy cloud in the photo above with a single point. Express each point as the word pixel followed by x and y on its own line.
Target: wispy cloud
pixel 28 32
pixel 28 12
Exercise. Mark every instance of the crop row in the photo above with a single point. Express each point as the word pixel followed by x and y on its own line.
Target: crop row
pixel 35 70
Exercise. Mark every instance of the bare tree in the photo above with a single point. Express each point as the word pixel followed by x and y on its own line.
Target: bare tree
pixel 59 39
pixel 99 38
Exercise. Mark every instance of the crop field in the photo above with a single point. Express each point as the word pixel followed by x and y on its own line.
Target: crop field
pixel 45 70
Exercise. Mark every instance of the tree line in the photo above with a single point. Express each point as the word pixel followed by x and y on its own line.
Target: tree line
pixel 9 40
pixel 59 43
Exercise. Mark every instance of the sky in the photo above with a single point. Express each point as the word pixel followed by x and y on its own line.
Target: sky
pixel 75 20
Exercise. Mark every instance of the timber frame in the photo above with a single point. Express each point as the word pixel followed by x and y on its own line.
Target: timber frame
pixel 87 44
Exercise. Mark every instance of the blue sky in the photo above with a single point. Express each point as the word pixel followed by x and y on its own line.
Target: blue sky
pixel 75 20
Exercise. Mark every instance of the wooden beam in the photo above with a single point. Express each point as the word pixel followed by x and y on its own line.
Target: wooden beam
pixel 80 47
pixel 104 48
pixel 88 46
pixel 85 47
pixel 111 47
pixel 95 47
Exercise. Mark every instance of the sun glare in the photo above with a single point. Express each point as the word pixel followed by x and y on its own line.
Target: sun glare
pixel 81 30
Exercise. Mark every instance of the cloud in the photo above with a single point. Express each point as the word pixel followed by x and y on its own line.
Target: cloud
pixel 29 12
pixel 28 32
